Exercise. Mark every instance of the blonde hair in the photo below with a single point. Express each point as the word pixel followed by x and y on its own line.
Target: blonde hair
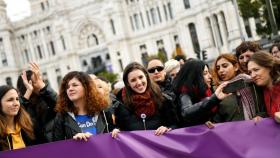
pixel 171 65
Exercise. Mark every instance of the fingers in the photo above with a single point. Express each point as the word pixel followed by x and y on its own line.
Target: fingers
pixel 82 136
pixel 115 133
pixel 161 130
pixel 257 119
pixel 277 117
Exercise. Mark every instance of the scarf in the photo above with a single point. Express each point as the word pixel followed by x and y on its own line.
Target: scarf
pixel 142 103
pixel 272 99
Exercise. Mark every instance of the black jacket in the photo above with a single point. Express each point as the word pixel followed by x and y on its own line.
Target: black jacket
pixel 166 87
pixel 127 120
pixel 42 112
pixel 6 141
pixel 195 113
pixel 65 126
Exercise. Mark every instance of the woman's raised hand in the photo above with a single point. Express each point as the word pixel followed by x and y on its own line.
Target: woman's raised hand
pixel 28 85
pixel 37 80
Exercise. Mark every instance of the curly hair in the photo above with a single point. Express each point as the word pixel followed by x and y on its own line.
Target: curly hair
pixel 94 101
pixel 247 45
pixel 156 93
pixel 22 118
pixel 230 58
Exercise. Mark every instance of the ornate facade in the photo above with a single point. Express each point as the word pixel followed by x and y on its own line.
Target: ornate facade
pixel 93 35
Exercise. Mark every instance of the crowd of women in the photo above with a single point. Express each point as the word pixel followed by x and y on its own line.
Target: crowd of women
pixel 33 113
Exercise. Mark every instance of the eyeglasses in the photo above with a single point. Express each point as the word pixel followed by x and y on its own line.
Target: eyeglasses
pixel 153 69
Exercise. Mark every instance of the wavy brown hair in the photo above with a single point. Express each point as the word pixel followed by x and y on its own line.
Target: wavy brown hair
pixel 95 102
pixel 22 118
pixel 265 59
pixel 230 58
pixel 156 93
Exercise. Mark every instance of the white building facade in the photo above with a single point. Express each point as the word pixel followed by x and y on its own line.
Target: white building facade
pixel 93 35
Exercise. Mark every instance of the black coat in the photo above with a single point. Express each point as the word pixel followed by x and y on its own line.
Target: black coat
pixel 6 141
pixel 165 115
pixel 42 112
pixel 65 126
pixel 195 113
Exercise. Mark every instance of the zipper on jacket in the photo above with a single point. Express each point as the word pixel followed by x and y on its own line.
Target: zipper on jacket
pixel 9 143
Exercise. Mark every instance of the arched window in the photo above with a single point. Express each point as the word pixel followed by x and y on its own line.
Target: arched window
pixel 194 39
pixel 9 81
pixel 224 23
pixel 92 40
pixel 187 4
pixel 210 32
pixel 218 30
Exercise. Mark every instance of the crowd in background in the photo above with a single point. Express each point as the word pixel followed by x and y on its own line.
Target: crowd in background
pixel 181 92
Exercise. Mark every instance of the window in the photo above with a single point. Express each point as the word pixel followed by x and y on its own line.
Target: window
pixel 42 6
pixel 39 52
pixel 92 40
pixel 121 64
pixel 113 26
pixel 224 23
pixel 144 54
pixel 165 12
pixel 148 17
pixel 210 32
pixel 170 10
pixel 58 76
pixel 159 15
pixel 26 56
pixel 187 4
pixel 63 42
pixel 218 30
pixel 136 21
pixel 194 39
pixel 142 20
pixel 154 16
pixel 131 23
pixel 9 81
pixel 52 48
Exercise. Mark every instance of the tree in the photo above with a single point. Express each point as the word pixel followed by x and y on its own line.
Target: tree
pixel 258 10
pixel 112 77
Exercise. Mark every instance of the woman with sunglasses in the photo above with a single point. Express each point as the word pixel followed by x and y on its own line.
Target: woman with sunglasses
pixel 144 107
pixel 265 72
pixel 196 103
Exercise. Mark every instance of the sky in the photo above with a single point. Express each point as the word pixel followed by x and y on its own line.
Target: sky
pixel 17 9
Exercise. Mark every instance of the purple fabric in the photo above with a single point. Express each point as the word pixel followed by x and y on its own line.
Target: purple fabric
pixel 228 140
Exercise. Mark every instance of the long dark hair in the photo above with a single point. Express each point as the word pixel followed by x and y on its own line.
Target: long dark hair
pixel 190 79
pixel 155 90
pixel 95 102
pixel 22 118
pixel 265 59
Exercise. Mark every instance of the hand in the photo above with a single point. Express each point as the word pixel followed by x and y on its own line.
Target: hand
pixel 37 80
pixel 115 133
pixel 161 130
pixel 219 91
pixel 80 136
pixel 277 117
pixel 257 119
pixel 28 85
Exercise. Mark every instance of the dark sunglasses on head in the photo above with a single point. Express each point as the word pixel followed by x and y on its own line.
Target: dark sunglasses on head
pixel 153 69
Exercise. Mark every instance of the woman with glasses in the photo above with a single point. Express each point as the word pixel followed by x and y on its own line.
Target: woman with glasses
pixel 196 103
pixel 265 72
pixel 144 107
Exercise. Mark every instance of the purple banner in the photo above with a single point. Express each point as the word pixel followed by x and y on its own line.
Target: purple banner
pixel 228 140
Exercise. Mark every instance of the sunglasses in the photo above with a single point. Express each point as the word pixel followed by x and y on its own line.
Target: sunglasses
pixel 153 69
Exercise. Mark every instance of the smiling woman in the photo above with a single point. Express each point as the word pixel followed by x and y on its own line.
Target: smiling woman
pixel 17 9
